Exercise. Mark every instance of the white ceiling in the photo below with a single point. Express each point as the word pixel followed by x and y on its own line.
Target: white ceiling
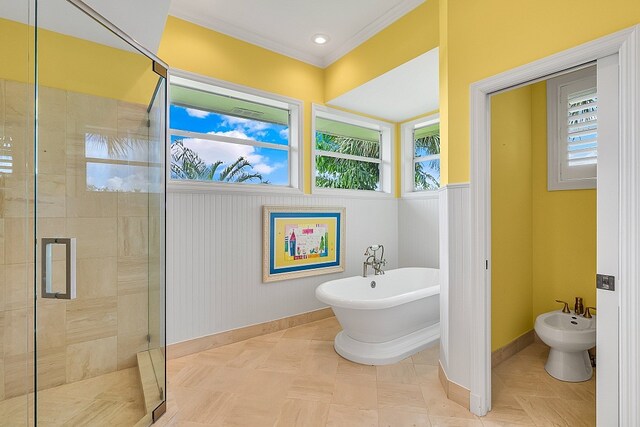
pixel 406 91
pixel 62 17
pixel 286 26
pixel 143 20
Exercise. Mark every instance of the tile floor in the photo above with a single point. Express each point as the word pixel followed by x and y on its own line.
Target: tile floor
pixel 113 399
pixel 524 394
pixel 295 378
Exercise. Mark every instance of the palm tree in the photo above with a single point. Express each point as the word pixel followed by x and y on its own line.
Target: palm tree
pixel 117 147
pixel 422 179
pixel 236 172
pixel 332 172
pixel 187 164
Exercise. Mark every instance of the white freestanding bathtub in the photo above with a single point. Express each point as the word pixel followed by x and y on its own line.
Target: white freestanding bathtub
pixel 385 318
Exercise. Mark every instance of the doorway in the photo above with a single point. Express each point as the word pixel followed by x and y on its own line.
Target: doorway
pixel 543 235
pixel 625 44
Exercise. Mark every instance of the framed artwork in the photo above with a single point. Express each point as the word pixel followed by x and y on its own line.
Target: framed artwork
pixel 302 241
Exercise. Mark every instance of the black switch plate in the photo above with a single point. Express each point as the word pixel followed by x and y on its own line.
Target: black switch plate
pixel 605 282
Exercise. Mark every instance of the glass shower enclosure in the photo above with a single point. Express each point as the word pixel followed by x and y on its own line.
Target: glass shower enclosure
pixel 82 229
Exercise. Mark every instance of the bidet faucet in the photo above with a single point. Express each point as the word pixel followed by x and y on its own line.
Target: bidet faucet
pixel 565 308
pixel 373 260
pixel 587 312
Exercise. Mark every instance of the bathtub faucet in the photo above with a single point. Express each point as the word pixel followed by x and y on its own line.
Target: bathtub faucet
pixel 373 260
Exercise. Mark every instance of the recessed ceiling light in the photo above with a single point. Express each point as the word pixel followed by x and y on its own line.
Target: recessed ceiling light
pixel 320 39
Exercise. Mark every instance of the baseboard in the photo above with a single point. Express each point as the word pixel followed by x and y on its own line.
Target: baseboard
pixel 503 353
pixel 537 339
pixel 454 391
pixel 196 345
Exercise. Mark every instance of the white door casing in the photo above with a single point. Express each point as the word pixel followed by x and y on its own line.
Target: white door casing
pixel 608 242
pixel 626 44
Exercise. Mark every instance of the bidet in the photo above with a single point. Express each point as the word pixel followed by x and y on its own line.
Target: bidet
pixel 569 336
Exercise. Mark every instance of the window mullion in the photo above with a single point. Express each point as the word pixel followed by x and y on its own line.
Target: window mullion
pixel 120 162
pixel 426 158
pixel 347 156
pixel 228 139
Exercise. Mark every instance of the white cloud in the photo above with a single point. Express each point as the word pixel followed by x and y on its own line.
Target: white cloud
pixel 264 168
pixel 284 133
pixel 256 130
pixel 248 125
pixel 197 113
pixel 115 183
pixel 212 152
pixel 232 133
pixel 132 182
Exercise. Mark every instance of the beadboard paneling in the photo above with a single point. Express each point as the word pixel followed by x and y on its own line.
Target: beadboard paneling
pixel 214 259
pixel 455 286
pixel 418 232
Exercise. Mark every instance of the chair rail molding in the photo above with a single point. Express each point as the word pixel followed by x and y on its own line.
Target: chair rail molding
pixel 626 43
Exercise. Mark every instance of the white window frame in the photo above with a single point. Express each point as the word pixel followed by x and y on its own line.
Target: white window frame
pixel 557 143
pixel 387 173
pixel 408 150
pixel 295 108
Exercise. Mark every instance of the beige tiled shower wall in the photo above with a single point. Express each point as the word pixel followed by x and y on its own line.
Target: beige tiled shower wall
pixel 107 324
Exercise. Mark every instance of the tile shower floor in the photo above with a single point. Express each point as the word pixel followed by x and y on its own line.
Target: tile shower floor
pixel 113 399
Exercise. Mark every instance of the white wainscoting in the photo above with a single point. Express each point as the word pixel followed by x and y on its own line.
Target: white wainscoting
pixel 418 231
pixel 455 289
pixel 214 259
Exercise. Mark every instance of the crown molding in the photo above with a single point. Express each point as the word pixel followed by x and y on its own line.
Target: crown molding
pixel 236 32
pixel 391 16
pixel 321 61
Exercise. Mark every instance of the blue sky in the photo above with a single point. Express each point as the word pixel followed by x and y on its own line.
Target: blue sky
pixel 272 164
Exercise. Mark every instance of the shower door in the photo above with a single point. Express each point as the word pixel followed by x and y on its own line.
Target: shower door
pixel 98 221
pixel 16 213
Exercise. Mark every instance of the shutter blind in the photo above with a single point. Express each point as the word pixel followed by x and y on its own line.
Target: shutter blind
pixel 578 130
pixel 582 128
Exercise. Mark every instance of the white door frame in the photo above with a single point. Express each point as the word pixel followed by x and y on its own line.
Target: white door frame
pixel 627 44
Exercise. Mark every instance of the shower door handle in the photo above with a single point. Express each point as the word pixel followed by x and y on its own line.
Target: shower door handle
pixel 47 267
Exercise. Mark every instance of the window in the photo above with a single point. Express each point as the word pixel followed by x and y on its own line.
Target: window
pixel 121 163
pixel 6 155
pixel 572 102
pixel 222 136
pixel 351 152
pixel 421 154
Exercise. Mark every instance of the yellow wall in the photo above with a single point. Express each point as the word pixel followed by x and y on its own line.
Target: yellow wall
pixel 16 42
pixel 77 65
pixel 199 50
pixel 511 216
pixel 543 242
pixel 564 229
pixel 413 34
pixel 443 82
pixel 486 37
